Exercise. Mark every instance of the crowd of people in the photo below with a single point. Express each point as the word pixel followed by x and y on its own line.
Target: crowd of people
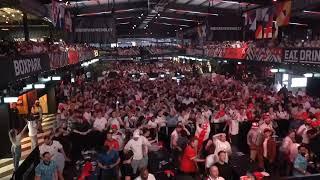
pixel 159 50
pixel 169 122
pixel 129 51
pixel 32 47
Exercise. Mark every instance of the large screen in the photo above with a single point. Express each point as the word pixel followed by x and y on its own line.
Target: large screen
pixel 299 82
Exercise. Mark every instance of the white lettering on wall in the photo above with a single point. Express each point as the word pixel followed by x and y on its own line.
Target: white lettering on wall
pixel 25 66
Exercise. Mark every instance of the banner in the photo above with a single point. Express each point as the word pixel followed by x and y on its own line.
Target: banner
pixel 264 54
pixel 67 22
pixel 227 53
pixel 58 60
pixel 54 12
pixel 283 12
pixel 108 52
pixel 250 19
pixel 310 55
pixel 94 30
pixel 235 53
pixel 30 64
pixel 214 52
pixel 265 23
pixel 225 28
pixel 73 56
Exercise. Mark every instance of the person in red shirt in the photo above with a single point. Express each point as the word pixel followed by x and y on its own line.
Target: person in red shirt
pixel 189 160
pixel 110 142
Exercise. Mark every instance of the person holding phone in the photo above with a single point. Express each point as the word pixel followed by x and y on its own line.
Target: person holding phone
pixel 15 139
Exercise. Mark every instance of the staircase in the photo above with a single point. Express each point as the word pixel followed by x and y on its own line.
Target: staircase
pixel 6 165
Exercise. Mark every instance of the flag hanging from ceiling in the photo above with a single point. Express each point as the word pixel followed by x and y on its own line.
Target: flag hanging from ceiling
pixel 283 12
pixel 250 19
pixel 67 22
pixel 54 12
pixel 264 22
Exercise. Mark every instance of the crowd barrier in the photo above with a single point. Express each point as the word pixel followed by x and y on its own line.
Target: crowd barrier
pixel 267 54
pixel 27 169
pixel 61 59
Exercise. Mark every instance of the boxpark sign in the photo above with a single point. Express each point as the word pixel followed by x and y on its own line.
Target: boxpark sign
pixel 310 55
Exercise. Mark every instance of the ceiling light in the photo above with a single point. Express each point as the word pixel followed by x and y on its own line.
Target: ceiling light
pixel 10 99
pixel 3 15
pixel 141 14
pixel 28 87
pixel 45 79
pixel 13 15
pixel 239 63
pixel 7 22
pixel 180 28
pixel 158 14
pixel 231 2
pixel 308 75
pixel 56 78
pixel 5 29
pixel 39 86
pixel 273 70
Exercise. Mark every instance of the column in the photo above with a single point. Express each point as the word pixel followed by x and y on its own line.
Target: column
pixel 25 27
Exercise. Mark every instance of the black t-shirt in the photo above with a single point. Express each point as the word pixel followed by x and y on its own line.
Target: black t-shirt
pixel 82 127
pixel 126 170
pixel 225 170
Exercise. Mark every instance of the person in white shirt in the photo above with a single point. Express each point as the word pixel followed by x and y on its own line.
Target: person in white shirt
pixel 267 124
pixel 87 115
pixel 100 123
pixel 282 114
pixel 15 139
pixel 33 131
pixel 184 117
pixel 221 144
pixel 302 131
pixel 214 174
pixel 138 145
pixel 115 120
pixel 145 175
pixel 160 119
pixel 206 112
pixel 234 126
pixel 57 152
pixel 188 100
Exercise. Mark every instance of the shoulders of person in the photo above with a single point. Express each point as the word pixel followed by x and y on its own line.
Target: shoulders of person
pixel 151 177
pixel 56 143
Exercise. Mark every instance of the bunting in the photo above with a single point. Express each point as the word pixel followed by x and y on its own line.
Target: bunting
pixel 265 22
pixel 283 13
pixel 250 20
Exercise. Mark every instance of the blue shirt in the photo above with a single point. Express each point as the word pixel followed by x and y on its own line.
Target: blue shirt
pixel 300 163
pixel 46 172
pixel 107 159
